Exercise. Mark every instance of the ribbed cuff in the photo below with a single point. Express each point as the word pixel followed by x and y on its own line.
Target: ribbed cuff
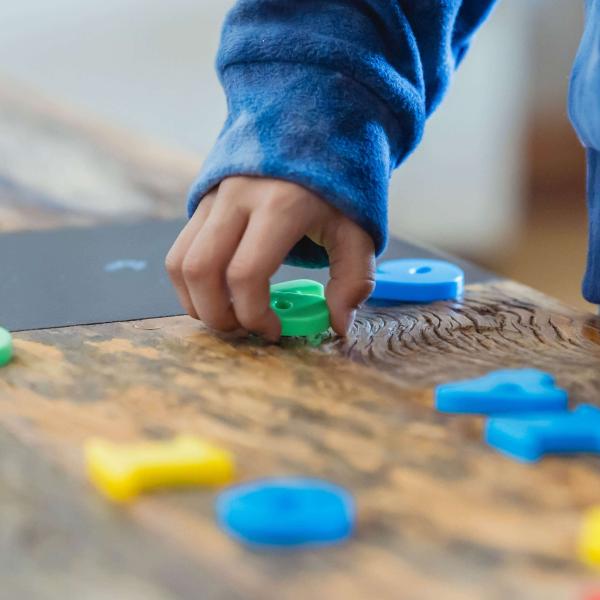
pixel 314 127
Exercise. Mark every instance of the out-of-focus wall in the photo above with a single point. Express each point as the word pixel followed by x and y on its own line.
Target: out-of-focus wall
pixel 463 187
pixel 556 33
pixel 149 66
pixel 550 253
pixel 555 157
pixel 145 64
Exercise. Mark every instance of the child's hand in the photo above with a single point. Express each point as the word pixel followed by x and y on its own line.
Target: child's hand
pixel 241 232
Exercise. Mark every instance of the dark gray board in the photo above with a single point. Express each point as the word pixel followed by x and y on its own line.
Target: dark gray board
pixel 80 276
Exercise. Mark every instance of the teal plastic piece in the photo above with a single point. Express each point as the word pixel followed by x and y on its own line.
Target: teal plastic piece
pixel 301 307
pixel 6 347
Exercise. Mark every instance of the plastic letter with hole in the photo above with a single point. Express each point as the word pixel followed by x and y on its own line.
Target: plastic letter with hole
pixel 418 280
pixel 301 307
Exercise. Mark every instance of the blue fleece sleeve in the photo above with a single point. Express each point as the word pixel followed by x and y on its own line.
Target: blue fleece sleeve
pixel 333 95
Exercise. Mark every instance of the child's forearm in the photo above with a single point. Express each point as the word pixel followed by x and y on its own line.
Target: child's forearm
pixel 333 94
pixel 328 96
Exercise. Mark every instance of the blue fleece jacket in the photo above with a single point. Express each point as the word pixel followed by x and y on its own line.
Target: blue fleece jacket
pixel 333 95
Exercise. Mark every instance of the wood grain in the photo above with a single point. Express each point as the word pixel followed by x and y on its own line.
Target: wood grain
pixel 441 515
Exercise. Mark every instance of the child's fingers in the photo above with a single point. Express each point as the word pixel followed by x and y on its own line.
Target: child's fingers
pixel 266 242
pixel 352 272
pixel 206 261
pixel 176 255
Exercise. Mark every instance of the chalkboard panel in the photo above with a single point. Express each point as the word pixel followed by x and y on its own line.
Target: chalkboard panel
pixel 79 276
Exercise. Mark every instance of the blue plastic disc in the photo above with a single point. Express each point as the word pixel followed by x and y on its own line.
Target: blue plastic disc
pixel 288 512
pixel 418 280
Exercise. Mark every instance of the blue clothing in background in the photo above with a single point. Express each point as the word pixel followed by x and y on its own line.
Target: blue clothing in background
pixel 333 95
pixel 584 110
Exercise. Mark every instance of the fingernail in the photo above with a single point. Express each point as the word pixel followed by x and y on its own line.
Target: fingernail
pixel 350 321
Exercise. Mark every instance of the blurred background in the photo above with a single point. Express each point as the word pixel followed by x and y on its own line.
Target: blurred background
pixel 499 178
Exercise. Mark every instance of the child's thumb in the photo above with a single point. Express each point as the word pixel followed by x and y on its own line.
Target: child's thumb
pixel 352 267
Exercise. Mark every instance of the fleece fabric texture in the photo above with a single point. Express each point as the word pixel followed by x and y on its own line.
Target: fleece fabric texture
pixel 333 95
pixel 591 281
pixel 585 116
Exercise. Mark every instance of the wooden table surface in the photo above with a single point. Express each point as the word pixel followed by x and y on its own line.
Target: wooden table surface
pixel 441 516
